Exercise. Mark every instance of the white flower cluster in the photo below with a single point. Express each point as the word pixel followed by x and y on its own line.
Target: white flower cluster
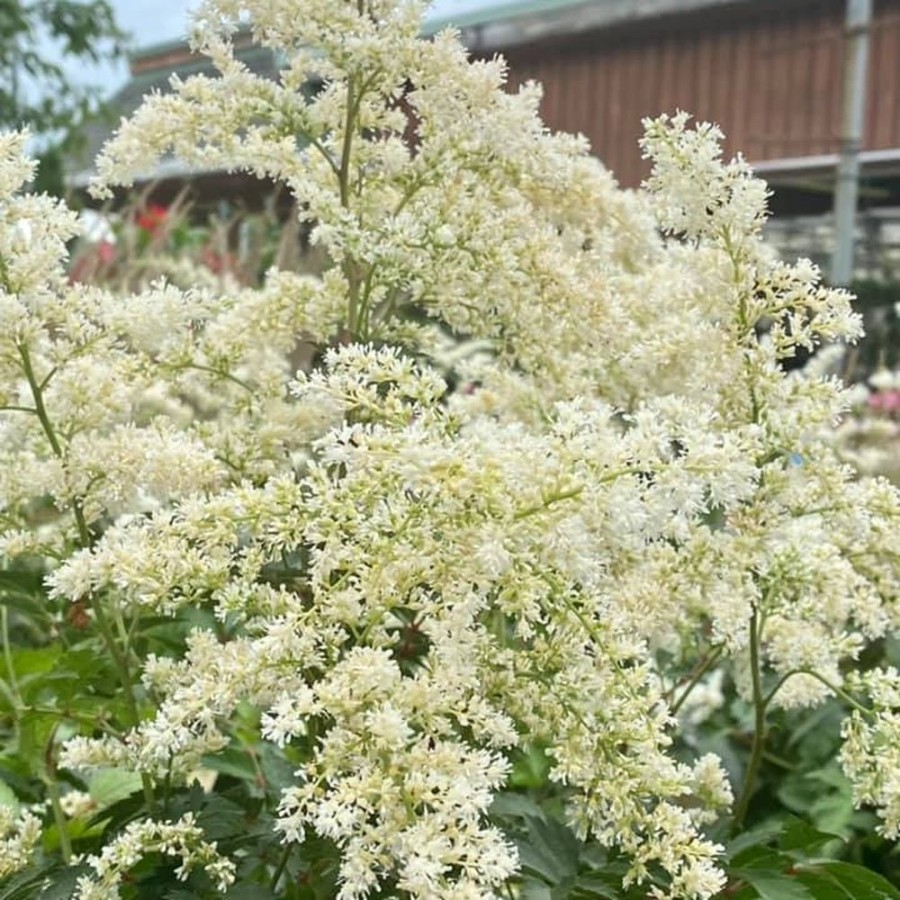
pixel 182 839
pixel 419 582
pixel 871 752
pixel 19 836
pixel 115 405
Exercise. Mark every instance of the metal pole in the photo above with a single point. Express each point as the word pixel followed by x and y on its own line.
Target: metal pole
pixel 856 60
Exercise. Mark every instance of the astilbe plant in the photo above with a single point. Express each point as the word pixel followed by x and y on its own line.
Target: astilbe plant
pixel 384 593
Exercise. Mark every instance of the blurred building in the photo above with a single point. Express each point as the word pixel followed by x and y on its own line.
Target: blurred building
pixel 768 71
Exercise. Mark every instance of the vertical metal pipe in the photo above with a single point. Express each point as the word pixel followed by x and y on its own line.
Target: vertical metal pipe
pixel 856 60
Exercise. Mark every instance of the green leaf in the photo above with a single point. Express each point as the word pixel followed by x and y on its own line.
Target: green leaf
pixel 760 836
pixel 221 818
pixel 801 839
pixel 233 761
pixel 8 798
pixel 530 769
pixel 30 662
pixel 550 851
pixel 109 786
pixel 761 857
pixel 21 582
pixel 536 890
pixel 510 805
pixel 249 892
pixel 771 885
pixel 25 885
pixel 63 885
pixel 845 881
pixel 36 730
pixel 595 884
pixel 770 873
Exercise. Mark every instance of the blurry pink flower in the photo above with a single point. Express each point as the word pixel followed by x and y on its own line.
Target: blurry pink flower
pixel 886 402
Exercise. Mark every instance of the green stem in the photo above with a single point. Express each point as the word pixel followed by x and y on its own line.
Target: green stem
pixel 746 336
pixel 85 718
pixel 84 535
pixel 38 397
pixel 214 371
pixel 349 266
pixel 606 477
pixel 694 678
pixel 13 701
pixel 65 843
pixel 279 870
pixel 40 409
pixel 548 502
pixel 365 303
pixel 759 728
pixel 347 144
pixel 7 656
pixel 838 692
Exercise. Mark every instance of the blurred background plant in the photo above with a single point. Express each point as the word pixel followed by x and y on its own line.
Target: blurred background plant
pixel 869 434
pixel 37 37
pixel 129 246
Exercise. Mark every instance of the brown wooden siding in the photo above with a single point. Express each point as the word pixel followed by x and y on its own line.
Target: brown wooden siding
pixel 770 77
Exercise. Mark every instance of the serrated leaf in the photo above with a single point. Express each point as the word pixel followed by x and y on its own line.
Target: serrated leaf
pixel 278 772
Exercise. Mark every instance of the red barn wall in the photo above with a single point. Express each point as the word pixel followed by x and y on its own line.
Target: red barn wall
pixel 770 76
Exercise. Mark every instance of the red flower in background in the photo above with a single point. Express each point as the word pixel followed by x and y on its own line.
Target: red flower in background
pixel 152 218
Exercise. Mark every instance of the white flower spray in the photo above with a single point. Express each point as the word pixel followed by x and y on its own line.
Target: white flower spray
pixel 464 574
